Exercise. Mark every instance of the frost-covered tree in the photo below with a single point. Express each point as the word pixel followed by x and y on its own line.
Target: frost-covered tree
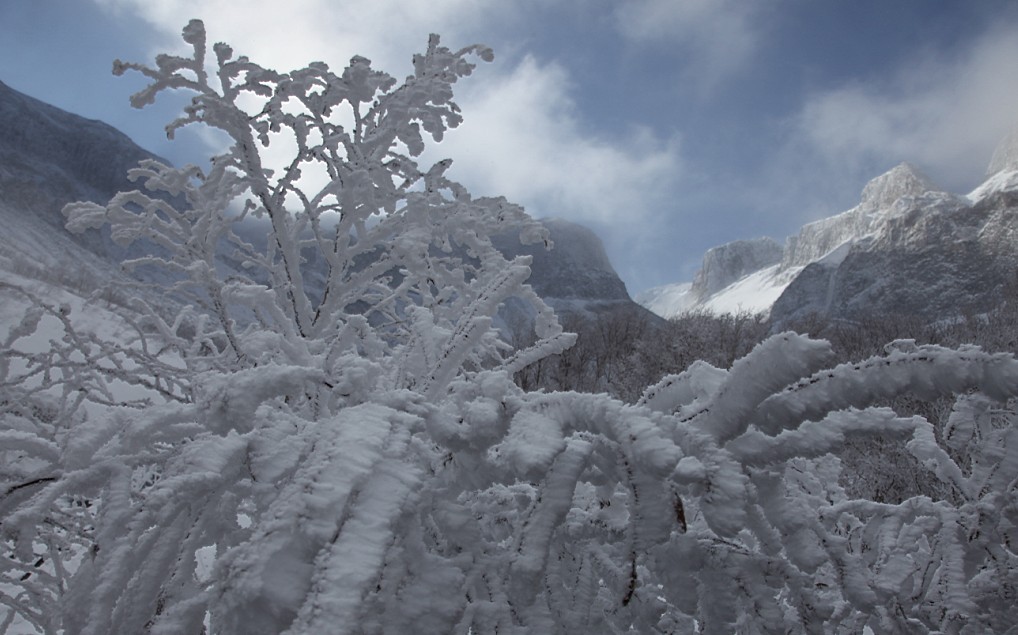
pixel 401 296
pixel 349 453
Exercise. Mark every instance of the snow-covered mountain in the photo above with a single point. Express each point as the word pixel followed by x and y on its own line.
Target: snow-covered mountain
pixel 729 263
pixel 49 157
pixel 908 247
pixel 722 267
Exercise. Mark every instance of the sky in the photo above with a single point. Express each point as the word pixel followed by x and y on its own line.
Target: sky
pixel 666 126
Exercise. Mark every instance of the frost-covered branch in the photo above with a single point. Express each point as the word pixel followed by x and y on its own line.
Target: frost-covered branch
pixel 389 236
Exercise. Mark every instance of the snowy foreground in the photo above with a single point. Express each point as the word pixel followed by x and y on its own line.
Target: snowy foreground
pixel 265 460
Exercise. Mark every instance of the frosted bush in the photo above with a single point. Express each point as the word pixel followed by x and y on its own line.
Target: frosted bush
pixel 359 460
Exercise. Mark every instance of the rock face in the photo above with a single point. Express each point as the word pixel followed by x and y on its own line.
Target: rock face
pixel 816 240
pixel 1005 156
pixel 932 254
pixel 732 261
pixel 576 268
pixel 575 277
pixel 908 247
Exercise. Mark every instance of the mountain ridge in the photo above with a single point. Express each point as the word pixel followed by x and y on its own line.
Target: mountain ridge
pixel 908 246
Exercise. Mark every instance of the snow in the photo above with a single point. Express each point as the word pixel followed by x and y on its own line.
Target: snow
pixel 898 209
pixel 753 294
pixel 668 300
pixel 88 316
pixel 1004 181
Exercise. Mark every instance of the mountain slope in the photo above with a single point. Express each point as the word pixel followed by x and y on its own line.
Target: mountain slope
pixel 49 157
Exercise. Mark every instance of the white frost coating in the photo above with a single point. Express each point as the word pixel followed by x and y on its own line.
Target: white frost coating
pixel 815 439
pixel 674 393
pixel 271 573
pixel 930 370
pixel 347 568
pixel 556 499
pixel 533 442
pixel 786 356
pixel 231 400
pixel 546 347
pixel 924 447
pixel 689 470
pixel 638 432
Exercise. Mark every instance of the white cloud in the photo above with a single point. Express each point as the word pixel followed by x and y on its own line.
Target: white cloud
pixel 943 113
pixel 290 35
pixel 716 37
pixel 522 137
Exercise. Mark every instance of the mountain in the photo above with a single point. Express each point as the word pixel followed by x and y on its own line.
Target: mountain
pixel 49 157
pixel 575 277
pixel 731 262
pixel 722 267
pixel 908 247
pixel 820 238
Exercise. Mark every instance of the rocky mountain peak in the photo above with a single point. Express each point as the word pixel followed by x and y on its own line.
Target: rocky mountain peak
pixel 817 239
pixel 902 180
pixel 908 247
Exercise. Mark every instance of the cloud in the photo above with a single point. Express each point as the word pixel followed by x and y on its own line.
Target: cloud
pixel 715 37
pixel 523 137
pixel 945 113
pixel 388 32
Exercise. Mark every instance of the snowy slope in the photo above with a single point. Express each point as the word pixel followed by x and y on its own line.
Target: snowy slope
pixel 755 293
pixel 669 299
pixel 731 262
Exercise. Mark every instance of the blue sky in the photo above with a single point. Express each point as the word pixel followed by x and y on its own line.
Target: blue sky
pixel 667 126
